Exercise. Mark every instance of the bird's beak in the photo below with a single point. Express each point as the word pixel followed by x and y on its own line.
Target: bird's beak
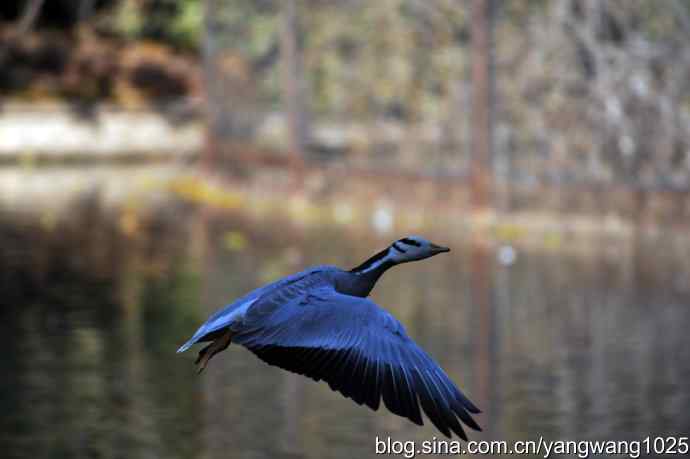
pixel 439 249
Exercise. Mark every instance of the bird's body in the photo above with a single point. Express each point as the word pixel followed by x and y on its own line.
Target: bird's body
pixel 320 324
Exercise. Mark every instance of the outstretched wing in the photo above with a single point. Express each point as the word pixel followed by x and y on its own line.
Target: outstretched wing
pixel 360 350
pixel 225 317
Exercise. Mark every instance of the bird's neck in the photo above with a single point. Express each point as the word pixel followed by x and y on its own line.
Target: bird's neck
pixel 367 273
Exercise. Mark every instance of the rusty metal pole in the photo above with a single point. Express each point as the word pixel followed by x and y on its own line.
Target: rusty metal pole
pixel 482 101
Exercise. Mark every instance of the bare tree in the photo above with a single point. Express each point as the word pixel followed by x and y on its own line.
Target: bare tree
pixel 294 83
pixel 482 100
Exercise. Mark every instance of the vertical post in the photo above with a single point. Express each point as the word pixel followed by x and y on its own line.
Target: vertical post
pixel 482 101
pixel 209 153
pixel 293 79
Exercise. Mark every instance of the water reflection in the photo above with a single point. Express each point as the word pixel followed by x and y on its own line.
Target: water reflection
pixel 566 346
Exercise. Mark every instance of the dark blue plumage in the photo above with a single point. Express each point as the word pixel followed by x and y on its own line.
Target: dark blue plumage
pixel 318 324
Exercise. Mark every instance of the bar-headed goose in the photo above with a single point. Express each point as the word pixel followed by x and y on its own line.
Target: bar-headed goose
pixel 320 324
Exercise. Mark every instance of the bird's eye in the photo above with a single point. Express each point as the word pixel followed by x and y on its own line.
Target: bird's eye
pixel 409 241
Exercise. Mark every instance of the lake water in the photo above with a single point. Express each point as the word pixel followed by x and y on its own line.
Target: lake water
pixel 559 344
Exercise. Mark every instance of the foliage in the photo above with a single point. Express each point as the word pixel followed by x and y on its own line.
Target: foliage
pixel 593 91
pixel 587 90
pixel 178 23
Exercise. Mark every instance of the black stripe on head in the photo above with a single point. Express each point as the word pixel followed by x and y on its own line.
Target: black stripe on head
pixel 409 241
pixel 399 249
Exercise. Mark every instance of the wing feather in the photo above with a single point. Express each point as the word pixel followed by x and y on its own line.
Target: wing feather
pixel 262 301
pixel 361 351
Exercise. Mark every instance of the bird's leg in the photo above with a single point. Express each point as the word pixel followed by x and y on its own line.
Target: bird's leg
pixel 202 352
pixel 218 345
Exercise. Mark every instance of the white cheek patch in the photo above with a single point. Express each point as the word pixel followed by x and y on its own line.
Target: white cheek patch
pixel 411 254
pixel 396 256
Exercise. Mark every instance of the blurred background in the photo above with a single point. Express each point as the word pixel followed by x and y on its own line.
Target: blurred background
pixel 159 158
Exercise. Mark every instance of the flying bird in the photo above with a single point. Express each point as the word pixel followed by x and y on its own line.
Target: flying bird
pixel 319 323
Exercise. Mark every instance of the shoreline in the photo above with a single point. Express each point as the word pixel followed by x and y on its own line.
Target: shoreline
pixel 47 194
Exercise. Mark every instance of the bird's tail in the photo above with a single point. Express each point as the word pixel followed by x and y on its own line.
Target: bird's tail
pixel 186 345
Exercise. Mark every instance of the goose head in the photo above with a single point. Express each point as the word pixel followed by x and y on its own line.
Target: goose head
pixel 412 248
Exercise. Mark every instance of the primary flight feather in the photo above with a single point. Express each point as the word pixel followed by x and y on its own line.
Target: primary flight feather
pixel 320 324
